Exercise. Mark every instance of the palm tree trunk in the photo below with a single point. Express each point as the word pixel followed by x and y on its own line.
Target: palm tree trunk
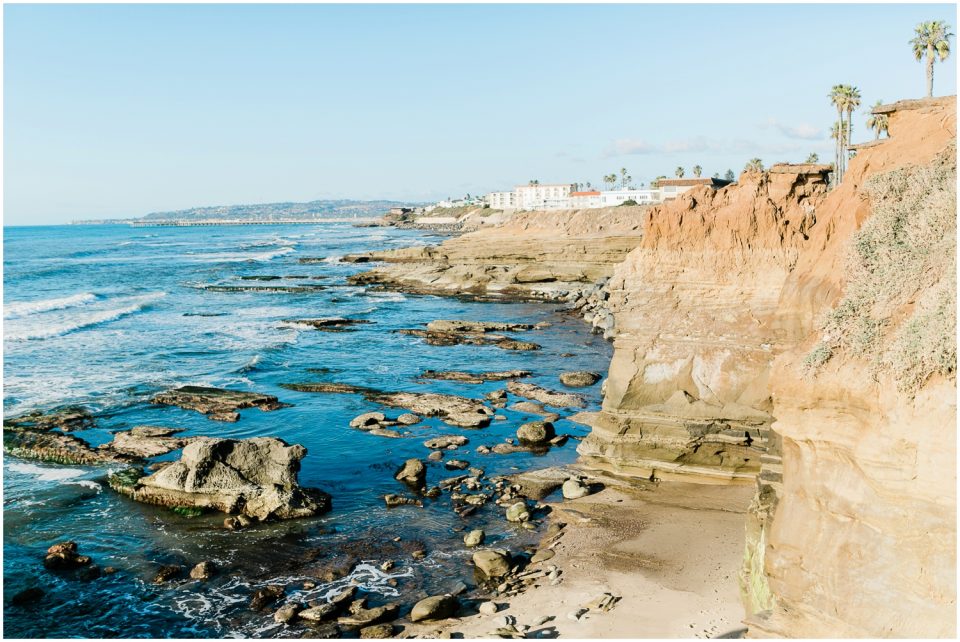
pixel 930 72
pixel 849 133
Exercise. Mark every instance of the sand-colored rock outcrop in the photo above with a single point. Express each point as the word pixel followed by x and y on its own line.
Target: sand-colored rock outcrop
pixel 854 533
pixel 698 326
pixel 255 477
pixel 532 254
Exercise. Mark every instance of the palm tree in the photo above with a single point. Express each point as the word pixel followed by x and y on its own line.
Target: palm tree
pixel 813 158
pixel 839 133
pixel 754 165
pixel 878 122
pixel 655 183
pixel 729 175
pixel 697 170
pixel 623 177
pixel 588 186
pixel 933 41
pixel 837 99
pixel 852 95
pixel 679 172
pixel 610 179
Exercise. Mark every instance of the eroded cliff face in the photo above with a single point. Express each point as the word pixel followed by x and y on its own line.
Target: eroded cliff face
pixel 854 534
pixel 550 255
pixel 698 326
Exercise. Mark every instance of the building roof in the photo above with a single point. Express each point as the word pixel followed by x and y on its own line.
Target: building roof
pixel 689 182
pixel 591 193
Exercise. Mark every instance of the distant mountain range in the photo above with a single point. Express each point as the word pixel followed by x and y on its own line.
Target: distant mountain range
pixel 312 210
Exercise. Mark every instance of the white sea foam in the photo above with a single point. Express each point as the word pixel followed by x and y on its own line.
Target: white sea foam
pixel 58 474
pixel 17 309
pixel 239 257
pixel 58 325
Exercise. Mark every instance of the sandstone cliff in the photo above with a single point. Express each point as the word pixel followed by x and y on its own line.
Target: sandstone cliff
pixel 698 325
pixel 532 254
pixel 856 534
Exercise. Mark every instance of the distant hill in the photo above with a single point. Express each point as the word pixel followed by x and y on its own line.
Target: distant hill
pixel 270 211
pixel 267 211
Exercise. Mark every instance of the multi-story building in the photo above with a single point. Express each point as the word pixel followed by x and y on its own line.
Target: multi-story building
pixel 616 197
pixel 535 196
pixel 502 200
pixel 584 200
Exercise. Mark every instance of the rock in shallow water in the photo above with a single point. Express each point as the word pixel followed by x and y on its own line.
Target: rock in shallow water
pixel 579 378
pixel 64 556
pixel 536 432
pixel 217 403
pixel 413 473
pixel 545 396
pixel 255 477
pixel 203 571
pixel 474 538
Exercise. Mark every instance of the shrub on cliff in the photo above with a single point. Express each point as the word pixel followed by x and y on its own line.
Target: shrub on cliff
pixel 899 309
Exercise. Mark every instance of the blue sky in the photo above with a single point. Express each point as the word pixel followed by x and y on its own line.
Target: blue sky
pixel 114 111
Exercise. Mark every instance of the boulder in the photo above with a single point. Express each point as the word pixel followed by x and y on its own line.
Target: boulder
pixel 399 500
pixel 579 378
pixel 436 607
pixel 145 445
pixel 492 563
pixel 518 512
pixel 319 613
pixel 366 617
pixel 413 473
pixel 456 464
pixel 368 419
pixel 265 596
pixel 453 410
pixel 474 538
pixel 203 571
pixel 446 441
pixel 488 608
pixel 287 613
pixel 537 484
pixel 27 595
pixel 407 419
pixel 167 573
pixel 574 489
pixel 255 477
pixel 64 556
pixel 536 432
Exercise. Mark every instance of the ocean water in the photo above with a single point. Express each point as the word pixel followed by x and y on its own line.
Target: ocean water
pixel 106 316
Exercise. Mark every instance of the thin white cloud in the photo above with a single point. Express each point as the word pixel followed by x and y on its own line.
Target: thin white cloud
pixel 801 131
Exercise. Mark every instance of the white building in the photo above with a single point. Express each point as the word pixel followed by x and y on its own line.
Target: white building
pixel 502 200
pixel 543 197
pixel 584 200
pixel 616 197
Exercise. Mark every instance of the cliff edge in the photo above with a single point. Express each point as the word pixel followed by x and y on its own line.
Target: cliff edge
pixel 854 533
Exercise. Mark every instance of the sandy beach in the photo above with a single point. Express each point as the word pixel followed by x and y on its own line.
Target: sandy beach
pixel 669 551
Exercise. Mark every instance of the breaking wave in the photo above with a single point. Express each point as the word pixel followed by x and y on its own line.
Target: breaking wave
pixel 58 325
pixel 17 309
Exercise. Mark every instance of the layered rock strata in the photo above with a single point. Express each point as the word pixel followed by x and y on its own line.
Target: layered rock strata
pixel 549 255
pixel 697 326
pixel 853 530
